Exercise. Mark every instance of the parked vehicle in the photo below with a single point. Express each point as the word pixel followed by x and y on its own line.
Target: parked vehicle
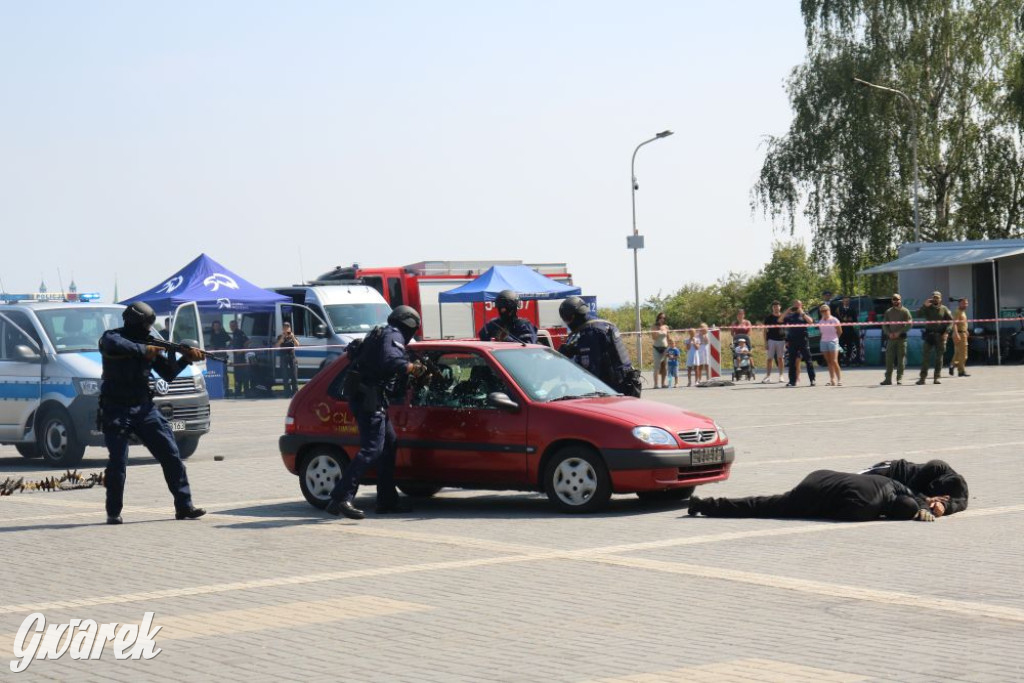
pixel 50 375
pixel 506 416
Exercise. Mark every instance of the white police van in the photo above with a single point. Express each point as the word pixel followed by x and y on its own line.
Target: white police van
pixel 328 315
pixel 50 375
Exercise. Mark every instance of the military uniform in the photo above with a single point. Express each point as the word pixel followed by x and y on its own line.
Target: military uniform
pixel 515 330
pixel 596 345
pixel 936 330
pixel 960 342
pixel 127 408
pixel 382 361
pixel 896 348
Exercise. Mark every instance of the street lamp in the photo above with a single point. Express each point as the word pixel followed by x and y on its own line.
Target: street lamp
pixel 636 242
pixel 913 143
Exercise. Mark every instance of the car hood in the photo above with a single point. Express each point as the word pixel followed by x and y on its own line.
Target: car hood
pixel 637 412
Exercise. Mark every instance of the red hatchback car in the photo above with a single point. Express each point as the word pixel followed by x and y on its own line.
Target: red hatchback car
pixel 509 416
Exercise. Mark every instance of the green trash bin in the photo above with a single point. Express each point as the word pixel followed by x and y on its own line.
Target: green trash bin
pixel 873 347
pixel 915 348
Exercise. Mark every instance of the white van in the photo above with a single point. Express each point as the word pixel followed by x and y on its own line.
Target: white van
pixel 328 315
pixel 50 375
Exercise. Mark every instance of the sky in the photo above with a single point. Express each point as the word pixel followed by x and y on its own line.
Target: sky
pixel 284 139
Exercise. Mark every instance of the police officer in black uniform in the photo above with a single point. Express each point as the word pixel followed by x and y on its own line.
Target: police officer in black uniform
pixel 126 407
pixel 381 363
pixel 596 345
pixel 508 326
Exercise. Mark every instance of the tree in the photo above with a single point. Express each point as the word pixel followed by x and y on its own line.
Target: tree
pixel 846 159
pixel 789 275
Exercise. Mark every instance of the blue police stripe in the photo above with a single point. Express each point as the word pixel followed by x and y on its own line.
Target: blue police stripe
pixel 19 390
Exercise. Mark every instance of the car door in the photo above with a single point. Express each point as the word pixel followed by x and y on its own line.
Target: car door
pixel 450 434
pixel 310 329
pixel 20 372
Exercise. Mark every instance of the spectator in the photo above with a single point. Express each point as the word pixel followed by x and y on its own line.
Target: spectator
pixel 287 341
pixel 219 339
pixel 849 339
pixel 742 326
pixel 705 350
pixel 659 335
pixel 796 342
pixel 830 331
pixel 774 342
pixel 672 354
pixel 692 346
pixel 960 340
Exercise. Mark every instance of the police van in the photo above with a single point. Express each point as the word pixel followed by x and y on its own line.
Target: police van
pixel 50 376
pixel 328 317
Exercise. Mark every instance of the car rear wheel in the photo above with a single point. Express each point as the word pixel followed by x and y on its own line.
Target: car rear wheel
pixel 187 445
pixel 419 490
pixel 319 472
pixel 576 480
pixel 28 450
pixel 58 443
pixel 666 496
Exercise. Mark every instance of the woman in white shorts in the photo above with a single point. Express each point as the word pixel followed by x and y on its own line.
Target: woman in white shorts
pixel 830 331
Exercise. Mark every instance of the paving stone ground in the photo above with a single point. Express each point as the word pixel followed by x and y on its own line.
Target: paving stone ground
pixel 481 586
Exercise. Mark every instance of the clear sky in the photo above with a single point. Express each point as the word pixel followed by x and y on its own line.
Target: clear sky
pixel 284 138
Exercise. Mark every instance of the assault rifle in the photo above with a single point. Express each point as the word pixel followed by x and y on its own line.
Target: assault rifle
pixel 184 348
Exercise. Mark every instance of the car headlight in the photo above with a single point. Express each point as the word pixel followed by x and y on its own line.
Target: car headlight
pixel 200 381
pixel 87 387
pixel 721 432
pixel 656 436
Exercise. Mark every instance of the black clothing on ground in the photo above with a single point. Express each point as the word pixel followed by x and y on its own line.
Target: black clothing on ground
pixel 825 494
pixel 933 478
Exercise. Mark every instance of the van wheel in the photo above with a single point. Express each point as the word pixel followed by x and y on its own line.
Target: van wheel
pixel 418 490
pixel 666 496
pixel 320 471
pixel 187 445
pixel 28 450
pixel 58 443
pixel 576 480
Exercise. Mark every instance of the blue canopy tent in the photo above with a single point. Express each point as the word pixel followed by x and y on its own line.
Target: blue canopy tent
pixel 212 287
pixel 525 281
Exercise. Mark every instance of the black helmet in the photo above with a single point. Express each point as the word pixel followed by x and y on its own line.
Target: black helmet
pixel 573 308
pixel 507 303
pixel 406 319
pixel 139 314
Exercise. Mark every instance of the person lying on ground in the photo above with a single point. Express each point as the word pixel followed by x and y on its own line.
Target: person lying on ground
pixel 935 479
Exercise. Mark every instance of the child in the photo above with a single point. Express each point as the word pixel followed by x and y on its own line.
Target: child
pixel 672 353
pixel 743 353
pixel 692 356
pixel 705 351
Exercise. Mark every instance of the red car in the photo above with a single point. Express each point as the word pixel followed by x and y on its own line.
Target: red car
pixel 509 416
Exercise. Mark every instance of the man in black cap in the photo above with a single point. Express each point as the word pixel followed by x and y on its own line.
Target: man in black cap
pixel 508 326
pixel 380 362
pixel 126 408
pixel 825 494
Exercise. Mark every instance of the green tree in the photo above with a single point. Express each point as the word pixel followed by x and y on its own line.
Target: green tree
pixel 846 159
pixel 789 275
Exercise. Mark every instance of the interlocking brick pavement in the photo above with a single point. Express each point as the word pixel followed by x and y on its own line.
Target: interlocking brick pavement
pixel 480 585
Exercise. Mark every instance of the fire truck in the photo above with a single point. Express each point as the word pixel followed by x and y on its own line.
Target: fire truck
pixel 419 284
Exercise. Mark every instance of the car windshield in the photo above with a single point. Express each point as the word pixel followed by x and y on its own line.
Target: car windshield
pixel 546 375
pixel 357 317
pixel 72 329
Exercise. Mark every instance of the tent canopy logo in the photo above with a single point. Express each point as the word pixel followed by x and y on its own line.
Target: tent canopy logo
pixel 171 284
pixel 215 281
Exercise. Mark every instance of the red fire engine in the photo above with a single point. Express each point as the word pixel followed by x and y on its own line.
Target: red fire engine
pixel 419 284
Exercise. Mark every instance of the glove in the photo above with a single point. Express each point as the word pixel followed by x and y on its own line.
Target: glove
pixel 924 516
pixel 417 369
pixel 152 352
pixel 192 355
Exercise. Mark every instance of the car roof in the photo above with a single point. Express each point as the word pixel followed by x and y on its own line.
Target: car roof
pixel 51 305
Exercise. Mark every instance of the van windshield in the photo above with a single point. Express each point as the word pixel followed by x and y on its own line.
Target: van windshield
pixel 72 330
pixel 349 318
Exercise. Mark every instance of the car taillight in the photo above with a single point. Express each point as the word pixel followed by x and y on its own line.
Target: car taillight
pixel 289 425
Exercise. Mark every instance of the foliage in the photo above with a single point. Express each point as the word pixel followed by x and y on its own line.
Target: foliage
pixel 846 161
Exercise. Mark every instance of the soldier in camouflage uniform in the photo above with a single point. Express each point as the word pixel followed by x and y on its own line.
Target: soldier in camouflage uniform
pixel 936 330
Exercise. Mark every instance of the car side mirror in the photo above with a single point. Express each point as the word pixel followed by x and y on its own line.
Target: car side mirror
pixel 320 331
pixel 26 354
pixel 500 399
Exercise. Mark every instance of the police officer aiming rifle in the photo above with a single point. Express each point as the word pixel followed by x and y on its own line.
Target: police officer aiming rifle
pixel 508 326
pixel 596 345
pixel 380 365
pixel 126 407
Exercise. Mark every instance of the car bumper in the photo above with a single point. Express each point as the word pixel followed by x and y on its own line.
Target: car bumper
pixel 634 470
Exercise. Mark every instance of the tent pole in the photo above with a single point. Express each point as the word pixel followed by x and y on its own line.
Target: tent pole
pixel 440 315
pixel 995 295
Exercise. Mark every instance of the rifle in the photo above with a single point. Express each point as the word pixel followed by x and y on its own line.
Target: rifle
pixel 183 349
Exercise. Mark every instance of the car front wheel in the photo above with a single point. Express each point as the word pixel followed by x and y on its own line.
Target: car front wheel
pixel 576 480
pixel 58 443
pixel 319 472
pixel 28 450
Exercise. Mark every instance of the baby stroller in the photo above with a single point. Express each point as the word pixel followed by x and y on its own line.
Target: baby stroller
pixel 742 364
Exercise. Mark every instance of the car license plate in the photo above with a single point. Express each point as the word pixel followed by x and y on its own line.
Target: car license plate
pixel 177 425
pixel 707 456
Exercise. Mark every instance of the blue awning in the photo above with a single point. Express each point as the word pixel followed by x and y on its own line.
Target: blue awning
pixel 525 281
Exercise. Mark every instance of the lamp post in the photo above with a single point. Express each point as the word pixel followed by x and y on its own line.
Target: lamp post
pixel 636 242
pixel 913 143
